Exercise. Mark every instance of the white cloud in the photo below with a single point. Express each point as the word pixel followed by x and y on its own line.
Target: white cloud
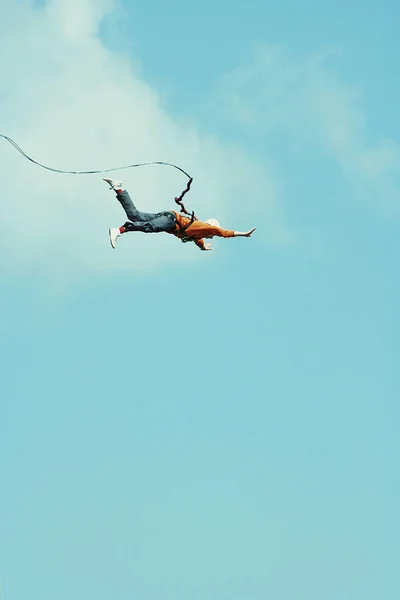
pixel 308 103
pixel 72 104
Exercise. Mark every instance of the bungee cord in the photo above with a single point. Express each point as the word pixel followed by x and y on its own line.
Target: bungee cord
pixel 178 200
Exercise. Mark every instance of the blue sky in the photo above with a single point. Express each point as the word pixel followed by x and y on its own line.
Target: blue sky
pixel 181 424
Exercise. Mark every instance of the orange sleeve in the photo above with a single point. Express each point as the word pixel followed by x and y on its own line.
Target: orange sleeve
pixel 225 233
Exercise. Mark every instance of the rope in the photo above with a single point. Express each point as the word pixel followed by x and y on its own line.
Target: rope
pixel 178 200
pixel 35 162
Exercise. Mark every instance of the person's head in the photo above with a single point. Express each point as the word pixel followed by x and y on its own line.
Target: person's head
pixel 213 222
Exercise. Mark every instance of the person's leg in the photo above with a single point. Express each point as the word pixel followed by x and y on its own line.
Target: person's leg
pixel 130 209
pixel 162 222
pixel 165 221
pixel 125 200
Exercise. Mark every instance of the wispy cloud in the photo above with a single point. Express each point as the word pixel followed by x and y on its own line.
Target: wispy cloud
pixel 73 104
pixel 307 102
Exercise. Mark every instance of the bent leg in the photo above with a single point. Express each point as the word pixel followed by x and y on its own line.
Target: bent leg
pixel 130 209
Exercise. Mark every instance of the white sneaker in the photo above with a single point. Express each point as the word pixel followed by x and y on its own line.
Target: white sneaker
pixel 114 185
pixel 114 234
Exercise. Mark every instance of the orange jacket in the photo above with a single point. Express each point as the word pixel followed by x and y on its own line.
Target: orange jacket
pixel 197 230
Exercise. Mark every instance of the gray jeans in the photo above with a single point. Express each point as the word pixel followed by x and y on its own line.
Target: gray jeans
pixel 146 222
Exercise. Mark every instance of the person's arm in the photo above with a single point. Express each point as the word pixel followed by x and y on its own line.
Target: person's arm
pixel 226 233
pixel 243 234
pixel 202 245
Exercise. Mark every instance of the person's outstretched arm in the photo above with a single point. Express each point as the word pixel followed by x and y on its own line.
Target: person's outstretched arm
pixel 202 245
pixel 243 234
